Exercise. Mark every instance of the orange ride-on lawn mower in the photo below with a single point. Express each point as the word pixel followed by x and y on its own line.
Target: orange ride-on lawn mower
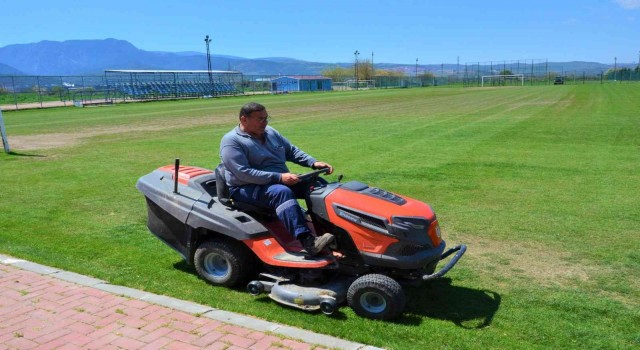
pixel 383 240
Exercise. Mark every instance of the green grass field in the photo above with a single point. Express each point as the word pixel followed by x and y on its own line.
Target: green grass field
pixel 541 182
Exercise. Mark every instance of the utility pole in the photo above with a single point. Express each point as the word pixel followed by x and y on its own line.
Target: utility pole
pixel 638 67
pixel 356 67
pixel 615 68
pixel 416 71
pixel 207 41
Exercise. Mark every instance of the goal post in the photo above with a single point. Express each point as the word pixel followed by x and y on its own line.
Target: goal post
pixel 503 79
pixel 360 84
pixel 5 140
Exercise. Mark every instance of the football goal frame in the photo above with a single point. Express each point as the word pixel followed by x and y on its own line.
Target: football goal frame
pixel 502 79
pixel 3 134
pixel 360 84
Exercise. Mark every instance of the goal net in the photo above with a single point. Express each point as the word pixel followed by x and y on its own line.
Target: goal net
pixel 360 84
pixel 503 80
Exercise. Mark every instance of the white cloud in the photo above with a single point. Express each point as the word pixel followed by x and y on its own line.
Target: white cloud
pixel 629 4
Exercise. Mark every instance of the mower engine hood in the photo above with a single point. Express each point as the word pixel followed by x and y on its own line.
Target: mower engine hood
pixel 387 229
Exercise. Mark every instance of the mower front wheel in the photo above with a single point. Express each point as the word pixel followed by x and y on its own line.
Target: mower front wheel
pixel 222 262
pixel 377 297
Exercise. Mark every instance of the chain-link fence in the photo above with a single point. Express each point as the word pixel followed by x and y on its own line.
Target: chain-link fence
pixel 541 72
pixel 45 91
pixel 42 91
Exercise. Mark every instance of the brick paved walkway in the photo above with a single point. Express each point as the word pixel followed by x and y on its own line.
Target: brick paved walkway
pixel 38 311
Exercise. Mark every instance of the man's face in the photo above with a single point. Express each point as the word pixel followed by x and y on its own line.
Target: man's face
pixel 256 123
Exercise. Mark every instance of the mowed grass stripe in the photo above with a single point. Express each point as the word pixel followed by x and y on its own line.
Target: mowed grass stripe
pixel 539 181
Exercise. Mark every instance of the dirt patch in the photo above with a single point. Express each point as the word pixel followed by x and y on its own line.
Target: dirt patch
pixel 511 263
pixel 539 264
pixel 54 140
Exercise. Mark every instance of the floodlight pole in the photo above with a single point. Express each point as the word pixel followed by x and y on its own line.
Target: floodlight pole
pixel 207 41
pixel 416 67
pixel 372 71
pixel 615 69
pixel 356 67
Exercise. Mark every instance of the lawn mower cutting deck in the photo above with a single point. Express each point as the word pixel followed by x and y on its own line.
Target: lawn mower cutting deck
pixel 383 240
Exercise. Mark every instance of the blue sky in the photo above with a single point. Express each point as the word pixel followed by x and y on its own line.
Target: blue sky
pixel 331 31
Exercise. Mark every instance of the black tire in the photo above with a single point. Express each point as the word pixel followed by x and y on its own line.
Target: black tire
pixel 378 297
pixel 224 263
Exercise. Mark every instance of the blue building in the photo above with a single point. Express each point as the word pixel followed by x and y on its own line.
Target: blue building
pixel 300 83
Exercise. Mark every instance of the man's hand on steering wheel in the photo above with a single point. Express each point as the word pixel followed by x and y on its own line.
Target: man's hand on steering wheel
pixel 323 165
pixel 289 179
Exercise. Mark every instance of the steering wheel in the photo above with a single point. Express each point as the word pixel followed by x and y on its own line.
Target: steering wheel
pixel 310 176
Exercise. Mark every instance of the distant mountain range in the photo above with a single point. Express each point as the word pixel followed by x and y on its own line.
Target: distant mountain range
pixel 5 69
pixel 93 57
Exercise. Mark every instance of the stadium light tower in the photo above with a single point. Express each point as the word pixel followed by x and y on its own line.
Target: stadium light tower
pixel 207 41
pixel 356 67
pixel 372 71
pixel 416 67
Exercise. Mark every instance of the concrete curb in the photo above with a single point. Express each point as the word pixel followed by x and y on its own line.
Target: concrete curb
pixel 189 307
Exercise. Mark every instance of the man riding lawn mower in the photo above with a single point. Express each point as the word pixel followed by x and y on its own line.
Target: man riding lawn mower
pixel 244 219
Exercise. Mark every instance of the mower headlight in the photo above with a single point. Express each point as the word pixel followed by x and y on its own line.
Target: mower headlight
pixel 434 233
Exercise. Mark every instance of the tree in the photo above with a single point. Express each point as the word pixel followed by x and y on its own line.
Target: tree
pixel 365 70
pixel 426 76
pixel 390 73
pixel 506 72
pixel 56 90
pixel 337 73
pixel 618 74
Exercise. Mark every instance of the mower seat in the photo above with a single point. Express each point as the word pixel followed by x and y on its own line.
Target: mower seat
pixel 222 190
pixel 221 186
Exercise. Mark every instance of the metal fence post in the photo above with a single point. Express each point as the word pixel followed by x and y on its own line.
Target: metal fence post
pixel 13 87
pixel 39 93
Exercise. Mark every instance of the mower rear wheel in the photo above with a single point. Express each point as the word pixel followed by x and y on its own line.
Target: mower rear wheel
pixel 376 296
pixel 222 262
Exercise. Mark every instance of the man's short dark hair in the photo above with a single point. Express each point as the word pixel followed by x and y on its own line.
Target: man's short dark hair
pixel 251 107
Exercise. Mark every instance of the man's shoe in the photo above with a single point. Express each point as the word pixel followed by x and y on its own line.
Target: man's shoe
pixel 314 245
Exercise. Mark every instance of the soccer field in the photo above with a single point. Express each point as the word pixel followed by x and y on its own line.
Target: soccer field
pixel 540 182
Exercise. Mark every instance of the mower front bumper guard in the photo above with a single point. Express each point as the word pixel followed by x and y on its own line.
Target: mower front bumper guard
pixel 460 249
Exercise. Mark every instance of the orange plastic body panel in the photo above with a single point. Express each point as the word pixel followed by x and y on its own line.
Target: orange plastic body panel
pixel 267 248
pixel 185 173
pixel 368 240
pixel 281 243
